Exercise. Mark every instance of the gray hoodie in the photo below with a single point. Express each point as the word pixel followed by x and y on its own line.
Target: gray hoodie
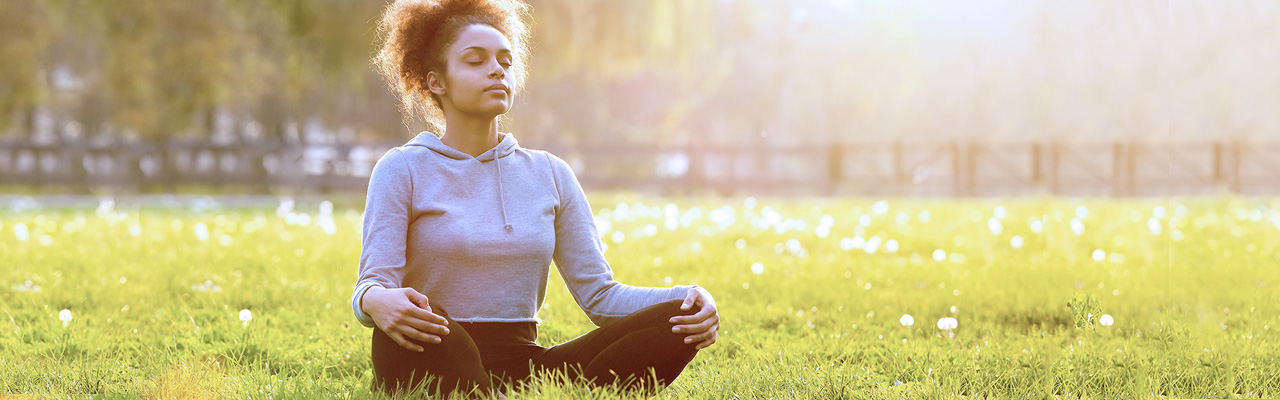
pixel 477 235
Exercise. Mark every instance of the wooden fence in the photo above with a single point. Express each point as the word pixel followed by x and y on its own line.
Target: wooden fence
pixel 893 168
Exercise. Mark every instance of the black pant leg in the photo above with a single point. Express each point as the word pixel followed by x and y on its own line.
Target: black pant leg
pixel 454 364
pixel 637 352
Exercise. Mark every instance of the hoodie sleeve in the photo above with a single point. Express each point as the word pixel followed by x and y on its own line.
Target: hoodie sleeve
pixel 385 227
pixel 580 259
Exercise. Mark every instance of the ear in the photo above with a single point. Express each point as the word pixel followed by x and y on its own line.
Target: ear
pixel 435 83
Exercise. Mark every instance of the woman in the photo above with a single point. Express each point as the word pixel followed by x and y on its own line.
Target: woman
pixel 460 230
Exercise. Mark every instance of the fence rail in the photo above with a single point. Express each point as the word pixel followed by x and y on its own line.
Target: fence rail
pixel 892 168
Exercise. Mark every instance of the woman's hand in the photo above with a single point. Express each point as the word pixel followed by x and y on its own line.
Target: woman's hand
pixel 404 314
pixel 703 325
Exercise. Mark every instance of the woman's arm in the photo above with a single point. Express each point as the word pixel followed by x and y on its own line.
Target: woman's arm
pixel 378 300
pixel 385 227
pixel 581 261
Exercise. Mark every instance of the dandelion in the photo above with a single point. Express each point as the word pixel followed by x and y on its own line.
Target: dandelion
pixel 880 207
pixel 924 216
pixel 1158 212
pixel 650 230
pixel 672 222
pixel 939 255
pixel 994 225
pixel 1082 212
pixel 826 220
pixel 20 230
pixel 948 324
pixel 793 245
pixel 65 316
pixel 1077 226
pixel 286 207
pixel 618 237
pixel 27 287
pixel 326 207
pixel 202 232
pixel 1016 242
pixel 1037 226
pixel 822 231
pixel 757 268
pixel 1099 255
pixel 245 316
pixel 953 309
pixel 1154 225
pixel 872 245
pixel 891 246
pixel 906 320
pixel 864 220
pixel 326 224
pixel 999 212
pixel 1106 320
pixel 105 206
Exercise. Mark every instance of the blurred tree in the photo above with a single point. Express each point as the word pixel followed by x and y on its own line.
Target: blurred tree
pixel 28 29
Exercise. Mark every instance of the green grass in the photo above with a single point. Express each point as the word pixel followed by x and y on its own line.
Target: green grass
pixel 1192 305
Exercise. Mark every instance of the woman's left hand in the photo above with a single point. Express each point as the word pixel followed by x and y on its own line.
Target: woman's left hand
pixel 703 325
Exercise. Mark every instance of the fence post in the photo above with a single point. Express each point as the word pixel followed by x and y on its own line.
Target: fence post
pixel 835 165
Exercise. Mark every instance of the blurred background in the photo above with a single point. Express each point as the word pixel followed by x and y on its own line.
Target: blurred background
pixel 729 97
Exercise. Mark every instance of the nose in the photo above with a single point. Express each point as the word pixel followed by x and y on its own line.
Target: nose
pixel 497 71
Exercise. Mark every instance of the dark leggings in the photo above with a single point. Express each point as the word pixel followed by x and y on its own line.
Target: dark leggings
pixel 620 354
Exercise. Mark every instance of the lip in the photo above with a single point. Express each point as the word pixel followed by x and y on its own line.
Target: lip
pixel 499 86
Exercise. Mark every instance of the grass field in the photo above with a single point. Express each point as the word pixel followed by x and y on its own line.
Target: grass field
pixel 812 294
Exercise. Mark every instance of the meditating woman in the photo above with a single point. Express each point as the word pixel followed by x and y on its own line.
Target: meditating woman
pixel 462 224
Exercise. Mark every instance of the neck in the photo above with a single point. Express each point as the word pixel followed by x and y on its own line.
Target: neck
pixel 470 134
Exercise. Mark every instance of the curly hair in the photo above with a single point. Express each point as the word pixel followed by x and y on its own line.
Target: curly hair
pixel 416 33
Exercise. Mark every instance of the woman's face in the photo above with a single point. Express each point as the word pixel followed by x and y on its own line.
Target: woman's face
pixel 478 80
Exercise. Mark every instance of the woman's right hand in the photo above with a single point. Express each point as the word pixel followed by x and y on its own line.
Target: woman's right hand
pixel 404 314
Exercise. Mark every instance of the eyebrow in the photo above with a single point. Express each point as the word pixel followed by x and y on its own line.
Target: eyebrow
pixel 508 51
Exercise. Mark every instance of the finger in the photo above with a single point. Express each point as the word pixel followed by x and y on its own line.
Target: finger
pixel 701 336
pixel 698 327
pixel 419 336
pixel 426 315
pixel 426 327
pixel 396 336
pixel 690 299
pixel 418 299
pixel 701 315
pixel 707 343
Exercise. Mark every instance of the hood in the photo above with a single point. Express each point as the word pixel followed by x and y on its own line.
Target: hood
pixel 506 145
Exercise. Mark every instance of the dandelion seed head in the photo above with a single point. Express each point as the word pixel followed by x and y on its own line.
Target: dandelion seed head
pixel 906 320
pixel 1106 320
pixel 1077 226
pixel 995 226
pixel 947 323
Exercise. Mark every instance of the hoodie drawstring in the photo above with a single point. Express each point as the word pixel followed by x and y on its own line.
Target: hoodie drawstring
pixel 501 203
